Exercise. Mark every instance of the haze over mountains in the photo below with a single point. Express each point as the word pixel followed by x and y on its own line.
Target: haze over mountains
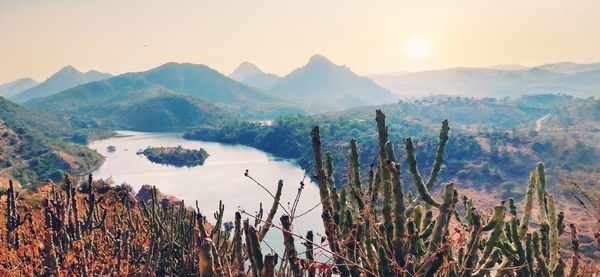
pixel 185 95
pixel 166 98
pixel 253 76
pixel 65 78
pixel 322 82
pixel 580 80
pixel 10 89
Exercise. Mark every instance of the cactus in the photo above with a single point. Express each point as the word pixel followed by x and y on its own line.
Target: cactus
pixel 331 227
pixel 310 256
pixel 423 188
pixel 575 259
pixel 370 230
pixel 253 248
pixel 354 176
pixel 290 249
pixel 272 212
pixel 13 219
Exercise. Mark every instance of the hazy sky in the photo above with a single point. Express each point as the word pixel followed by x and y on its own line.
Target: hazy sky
pixel 39 37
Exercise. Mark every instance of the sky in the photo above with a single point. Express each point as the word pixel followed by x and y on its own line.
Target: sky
pixel 39 37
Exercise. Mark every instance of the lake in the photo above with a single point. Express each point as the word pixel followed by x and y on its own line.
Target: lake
pixel 220 178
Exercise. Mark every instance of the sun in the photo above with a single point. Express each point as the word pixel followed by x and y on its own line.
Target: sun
pixel 418 48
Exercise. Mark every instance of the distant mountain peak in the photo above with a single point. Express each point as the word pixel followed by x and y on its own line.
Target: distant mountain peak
pixel 249 67
pixel 68 68
pixel 249 74
pixel 65 78
pixel 319 59
pixel 244 70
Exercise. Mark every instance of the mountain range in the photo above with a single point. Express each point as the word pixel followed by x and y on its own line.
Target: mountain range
pixel 331 86
pixel 33 148
pixel 249 74
pixel 171 97
pixel 320 84
pixel 17 86
pixel 65 78
pixel 580 80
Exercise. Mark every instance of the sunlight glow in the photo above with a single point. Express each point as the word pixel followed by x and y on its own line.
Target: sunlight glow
pixel 418 48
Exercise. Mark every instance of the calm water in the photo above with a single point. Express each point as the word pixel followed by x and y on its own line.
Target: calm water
pixel 220 178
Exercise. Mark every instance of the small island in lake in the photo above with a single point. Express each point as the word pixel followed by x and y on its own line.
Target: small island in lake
pixel 177 156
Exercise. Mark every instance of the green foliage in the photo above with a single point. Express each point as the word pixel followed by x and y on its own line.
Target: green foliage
pixel 176 156
pixel 408 236
pixel 33 148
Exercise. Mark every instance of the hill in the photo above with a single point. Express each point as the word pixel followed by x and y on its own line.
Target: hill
pixel 327 86
pixel 65 78
pixel 249 74
pixel 488 151
pixel 196 82
pixel 10 89
pixel 32 148
pixel 568 78
pixel 570 67
pixel 126 102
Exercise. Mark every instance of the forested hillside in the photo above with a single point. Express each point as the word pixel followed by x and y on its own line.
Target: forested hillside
pixel 373 228
pixel 492 140
pixel 33 148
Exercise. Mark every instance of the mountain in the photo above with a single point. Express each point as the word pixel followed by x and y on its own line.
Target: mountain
pixel 327 86
pixel 509 67
pixel 570 67
pixel 65 78
pixel 196 81
pixel 32 148
pixel 9 89
pixel 131 102
pixel 202 82
pixel 489 82
pixel 249 74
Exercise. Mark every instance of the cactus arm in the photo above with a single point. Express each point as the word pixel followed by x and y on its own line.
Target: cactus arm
pixel 488 264
pixel 269 269
pixel 495 235
pixel 539 257
pixel 516 239
pixel 310 254
pixel 497 218
pixel 382 131
pixel 272 212
pixel 575 259
pixel 290 248
pixel 440 229
pixel 321 179
pixel 472 243
pixel 399 217
pixel 238 256
pixel 354 171
pixel 416 177
pixel 375 192
pixel 428 230
pixel 527 206
pixel 529 254
pixel 253 264
pixel 541 194
pixel 554 240
pixel 439 155
pixel 417 216
pixel 331 183
pixel 398 204
pixel 384 263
